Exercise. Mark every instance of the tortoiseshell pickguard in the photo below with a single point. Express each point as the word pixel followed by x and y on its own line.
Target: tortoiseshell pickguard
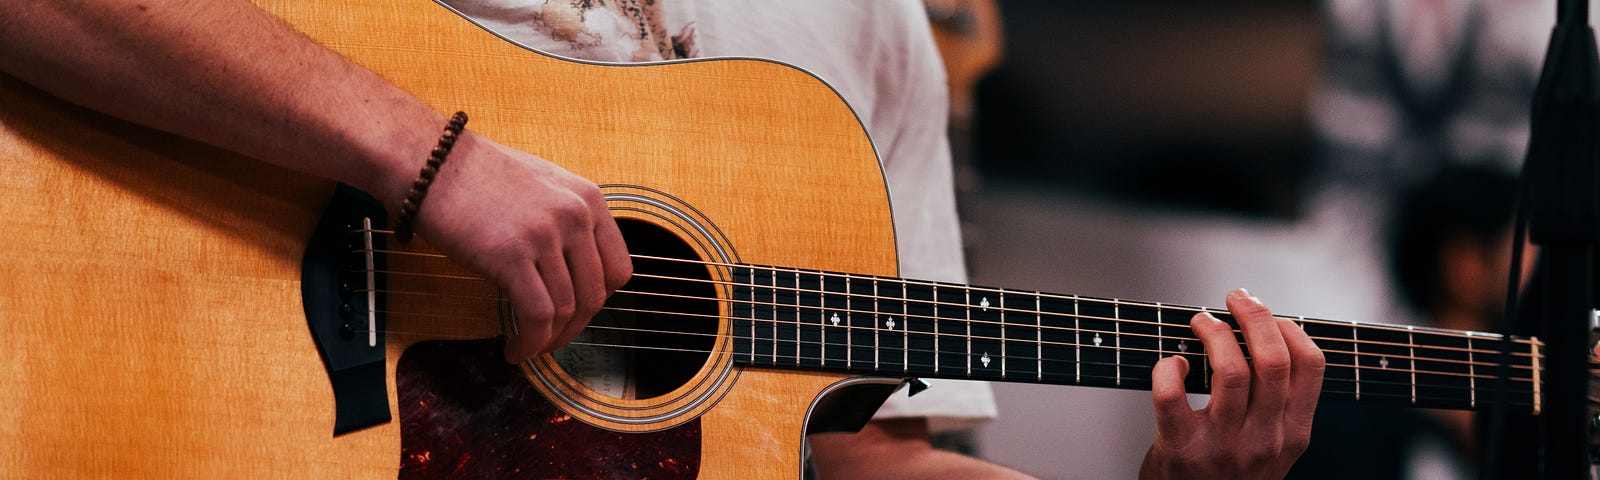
pixel 465 413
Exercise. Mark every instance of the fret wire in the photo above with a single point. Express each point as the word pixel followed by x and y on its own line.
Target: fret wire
pixel 968 298
pixel 1116 341
pixel 799 310
pixel 1004 338
pixel 822 320
pixel 1413 364
pixel 1077 338
pixel 1038 336
pixel 1429 330
pixel 1355 342
pixel 935 329
pixel 1472 370
pixel 849 350
pixel 1114 302
pixel 877 343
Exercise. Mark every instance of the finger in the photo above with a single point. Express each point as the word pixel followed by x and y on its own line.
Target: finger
pixel 532 303
pixel 1269 357
pixel 1305 386
pixel 613 252
pixel 558 281
pixel 1174 418
pixel 589 284
pixel 1230 378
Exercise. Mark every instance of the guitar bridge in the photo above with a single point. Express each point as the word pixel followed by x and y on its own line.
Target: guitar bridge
pixel 341 286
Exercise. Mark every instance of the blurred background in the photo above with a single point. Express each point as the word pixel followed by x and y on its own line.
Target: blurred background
pixel 1173 150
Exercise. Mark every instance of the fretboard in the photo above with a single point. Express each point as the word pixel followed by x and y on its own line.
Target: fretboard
pixel 813 320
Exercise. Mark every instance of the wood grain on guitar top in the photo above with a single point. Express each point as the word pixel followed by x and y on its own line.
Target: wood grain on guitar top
pixel 150 313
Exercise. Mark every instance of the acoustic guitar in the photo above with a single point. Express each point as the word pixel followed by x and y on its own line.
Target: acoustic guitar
pixel 171 310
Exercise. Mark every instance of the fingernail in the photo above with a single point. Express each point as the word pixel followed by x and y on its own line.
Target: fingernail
pixel 1212 317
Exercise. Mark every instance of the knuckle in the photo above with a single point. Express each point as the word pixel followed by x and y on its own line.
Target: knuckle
pixel 1313 360
pixel 1170 397
pixel 564 309
pixel 1232 375
pixel 1274 369
pixel 1296 446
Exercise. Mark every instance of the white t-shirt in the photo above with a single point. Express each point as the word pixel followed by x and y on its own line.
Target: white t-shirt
pixel 879 55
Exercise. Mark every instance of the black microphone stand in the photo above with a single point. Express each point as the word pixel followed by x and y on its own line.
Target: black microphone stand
pixel 1560 186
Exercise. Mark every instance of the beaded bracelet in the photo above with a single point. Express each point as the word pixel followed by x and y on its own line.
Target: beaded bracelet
pixel 419 188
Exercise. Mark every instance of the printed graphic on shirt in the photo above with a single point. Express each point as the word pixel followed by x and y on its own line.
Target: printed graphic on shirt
pixel 595 28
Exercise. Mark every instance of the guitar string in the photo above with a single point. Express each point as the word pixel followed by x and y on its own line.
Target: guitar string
pixel 1136 381
pixel 1102 348
pixel 1027 312
pixel 1482 337
pixel 1141 382
pixel 1002 325
pixel 972 288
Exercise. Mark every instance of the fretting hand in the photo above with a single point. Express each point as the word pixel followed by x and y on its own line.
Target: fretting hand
pixel 1259 418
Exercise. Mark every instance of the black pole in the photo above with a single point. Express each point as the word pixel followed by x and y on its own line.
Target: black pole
pixel 1564 219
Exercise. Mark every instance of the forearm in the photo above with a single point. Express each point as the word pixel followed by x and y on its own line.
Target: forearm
pixel 226 73
pixel 896 449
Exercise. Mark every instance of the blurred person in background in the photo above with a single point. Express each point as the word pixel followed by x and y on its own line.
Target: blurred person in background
pixel 1449 245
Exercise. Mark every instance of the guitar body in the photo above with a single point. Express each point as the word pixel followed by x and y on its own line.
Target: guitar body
pixel 151 319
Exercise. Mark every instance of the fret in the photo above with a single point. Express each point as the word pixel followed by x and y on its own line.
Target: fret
pixel 1188 345
pixel 1116 325
pixel 1077 344
pixel 1100 357
pixel 987 334
pixel 1385 363
pixel 954 342
pixel 1058 340
pixel 861 333
pixel 877 345
pixel 1444 369
pixel 849 332
pixel 743 306
pixel 1004 339
pixel 1533 360
pixel 782 298
pixel 967 307
pixel 921 334
pixel 1472 371
pixel 891 328
pixel 1411 343
pixel 822 324
pixel 935 319
pixel 834 321
pixel 1140 341
pixel 1161 339
pixel 1355 359
pixel 763 313
pixel 1340 379
pixel 809 317
pixel 1038 338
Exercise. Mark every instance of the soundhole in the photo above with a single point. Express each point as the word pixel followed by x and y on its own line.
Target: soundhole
pixel 657 331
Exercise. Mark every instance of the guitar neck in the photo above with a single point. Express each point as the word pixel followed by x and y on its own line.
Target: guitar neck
pixel 813 320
